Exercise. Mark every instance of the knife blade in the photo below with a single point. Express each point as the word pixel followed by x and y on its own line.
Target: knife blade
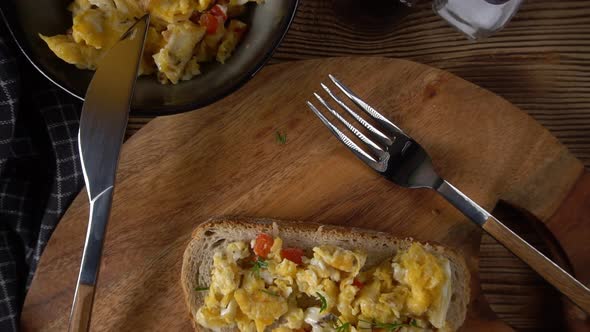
pixel 102 128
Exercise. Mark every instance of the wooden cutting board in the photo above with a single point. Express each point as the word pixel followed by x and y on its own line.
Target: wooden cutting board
pixel 225 160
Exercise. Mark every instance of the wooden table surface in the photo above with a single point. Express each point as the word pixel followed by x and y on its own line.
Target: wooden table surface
pixel 540 62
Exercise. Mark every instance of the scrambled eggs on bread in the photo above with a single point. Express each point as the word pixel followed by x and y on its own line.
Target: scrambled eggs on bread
pixel 263 286
pixel 182 33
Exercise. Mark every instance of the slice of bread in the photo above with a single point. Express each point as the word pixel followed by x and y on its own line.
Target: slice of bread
pixel 217 233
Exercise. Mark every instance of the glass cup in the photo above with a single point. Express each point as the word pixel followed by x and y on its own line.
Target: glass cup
pixel 477 18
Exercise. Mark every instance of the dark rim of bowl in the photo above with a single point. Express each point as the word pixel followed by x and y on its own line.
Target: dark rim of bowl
pixel 163 110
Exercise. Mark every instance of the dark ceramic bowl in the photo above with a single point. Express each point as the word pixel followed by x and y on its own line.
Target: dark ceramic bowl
pixel 268 23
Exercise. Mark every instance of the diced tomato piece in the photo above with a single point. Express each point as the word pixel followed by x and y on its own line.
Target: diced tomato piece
pixel 263 244
pixel 293 254
pixel 210 22
pixel 219 10
pixel 358 283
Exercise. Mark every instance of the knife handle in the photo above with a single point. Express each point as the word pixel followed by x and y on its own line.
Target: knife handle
pixel 82 308
pixel 100 208
pixel 555 275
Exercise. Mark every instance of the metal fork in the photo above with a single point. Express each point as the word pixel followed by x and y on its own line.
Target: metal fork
pixel 400 159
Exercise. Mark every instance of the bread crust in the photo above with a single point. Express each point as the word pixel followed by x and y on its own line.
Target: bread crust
pixel 217 232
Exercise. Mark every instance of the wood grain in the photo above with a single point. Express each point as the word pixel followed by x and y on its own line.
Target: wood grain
pixel 206 163
pixel 540 62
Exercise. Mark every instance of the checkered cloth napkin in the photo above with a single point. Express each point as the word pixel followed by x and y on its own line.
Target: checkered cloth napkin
pixel 40 171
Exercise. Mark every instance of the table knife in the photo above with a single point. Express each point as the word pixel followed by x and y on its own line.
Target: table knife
pixel 102 128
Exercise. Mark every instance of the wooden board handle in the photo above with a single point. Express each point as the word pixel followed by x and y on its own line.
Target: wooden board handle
pixel 570 226
pixel 554 274
pixel 81 309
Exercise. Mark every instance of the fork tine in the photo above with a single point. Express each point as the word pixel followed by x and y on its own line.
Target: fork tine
pixel 360 153
pixel 393 129
pixel 372 145
pixel 378 134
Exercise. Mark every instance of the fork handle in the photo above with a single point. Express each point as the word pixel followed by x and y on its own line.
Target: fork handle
pixel 555 275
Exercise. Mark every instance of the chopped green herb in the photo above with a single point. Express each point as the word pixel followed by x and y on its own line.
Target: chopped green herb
pixel 324 305
pixel 281 138
pixel 259 264
pixel 200 289
pixel 269 292
pixel 341 327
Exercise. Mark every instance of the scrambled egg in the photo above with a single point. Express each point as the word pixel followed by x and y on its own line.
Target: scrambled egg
pixel 266 287
pixel 182 33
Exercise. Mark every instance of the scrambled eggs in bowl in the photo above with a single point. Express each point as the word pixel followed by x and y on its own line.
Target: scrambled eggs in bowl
pixel 263 286
pixel 182 33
